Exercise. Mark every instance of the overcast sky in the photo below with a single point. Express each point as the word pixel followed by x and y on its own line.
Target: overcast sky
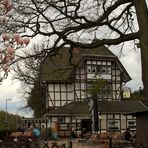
pixel 10 90
pixel 131 60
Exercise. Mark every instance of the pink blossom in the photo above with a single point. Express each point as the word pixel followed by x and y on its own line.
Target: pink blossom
pixel 16 36
pixel 7 4
pixel 5 36
pixel 12 57
pixel 10 50
pixel 20 41
pixel 1 56
pixel 5 68
pixel 3 19
pixel 6 59
pixel 26 41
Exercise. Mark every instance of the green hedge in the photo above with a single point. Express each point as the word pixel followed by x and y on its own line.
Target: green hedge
pixel 4 133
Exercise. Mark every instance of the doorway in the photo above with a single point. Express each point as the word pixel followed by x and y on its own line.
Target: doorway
pixel 86 125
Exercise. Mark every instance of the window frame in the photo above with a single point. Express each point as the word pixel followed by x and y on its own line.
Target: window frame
pixel 113 125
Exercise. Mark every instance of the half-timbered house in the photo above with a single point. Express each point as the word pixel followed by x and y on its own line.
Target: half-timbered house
pixel 69 75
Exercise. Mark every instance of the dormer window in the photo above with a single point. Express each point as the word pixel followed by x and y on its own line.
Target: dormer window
pixel 101 69
pixel 94 69
pixel 88 69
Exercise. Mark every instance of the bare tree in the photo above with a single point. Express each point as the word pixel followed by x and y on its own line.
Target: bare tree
pixel 78 22
pixel 27 71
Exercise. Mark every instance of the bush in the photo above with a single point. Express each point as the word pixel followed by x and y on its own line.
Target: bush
pixel 4 133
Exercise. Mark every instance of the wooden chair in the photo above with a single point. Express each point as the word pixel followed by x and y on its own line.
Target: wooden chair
pixel 93 139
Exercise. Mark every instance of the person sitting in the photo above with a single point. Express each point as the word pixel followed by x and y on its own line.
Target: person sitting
pixel 73 135
pixel 21 129
pixel 83 133
pixel 43 131
pixel 127 135
pixel 36 132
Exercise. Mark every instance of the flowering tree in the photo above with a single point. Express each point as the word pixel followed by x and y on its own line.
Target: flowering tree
pixel 9 42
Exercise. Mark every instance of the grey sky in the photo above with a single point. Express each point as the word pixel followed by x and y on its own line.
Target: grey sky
pixel 131 60
pixel 9 90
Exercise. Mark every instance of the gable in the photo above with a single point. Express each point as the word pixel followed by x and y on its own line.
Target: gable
pixel 58 68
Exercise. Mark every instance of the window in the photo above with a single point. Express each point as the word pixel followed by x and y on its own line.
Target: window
pixel 107 86
pixel 63 126
pixel 54 119
pixel 88 85
pixel 94 69
pixel 105 91
pixel 132 124
pixel 88 69
pixel 67 119
pixel 103 69
pixel 113 125
pixel 61 119
pixel 110 116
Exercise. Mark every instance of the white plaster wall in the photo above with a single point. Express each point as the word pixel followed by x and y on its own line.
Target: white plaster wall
pixel 63 93
pixel 103 123
pixel 123 122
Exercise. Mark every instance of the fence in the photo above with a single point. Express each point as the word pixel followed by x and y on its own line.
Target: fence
pixel 29 145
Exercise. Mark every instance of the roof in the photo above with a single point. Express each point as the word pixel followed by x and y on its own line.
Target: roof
pixel 34 119
pixel 76 108
pixel 58 68
pixel 142 111
pixel 120 106
pixel 81 108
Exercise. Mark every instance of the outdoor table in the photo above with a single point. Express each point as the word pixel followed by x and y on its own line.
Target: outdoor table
pixel 121 143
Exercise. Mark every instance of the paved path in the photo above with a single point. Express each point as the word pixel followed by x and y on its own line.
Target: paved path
pixel 78 145
pixel 75 144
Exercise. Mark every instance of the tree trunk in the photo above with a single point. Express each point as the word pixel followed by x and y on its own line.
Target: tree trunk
pixel 95 112
pixel 142 17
